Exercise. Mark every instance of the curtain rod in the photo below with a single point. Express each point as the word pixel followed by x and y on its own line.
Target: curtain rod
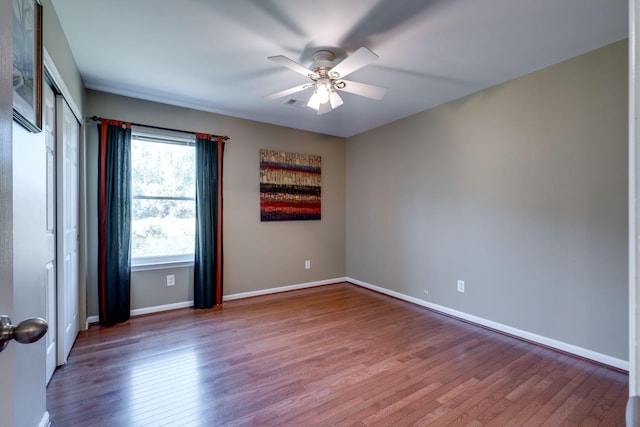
pixel 99 119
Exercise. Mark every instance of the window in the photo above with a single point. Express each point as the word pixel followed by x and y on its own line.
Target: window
pixel 163 197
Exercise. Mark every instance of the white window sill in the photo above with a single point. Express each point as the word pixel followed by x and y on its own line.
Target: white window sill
pixel 160 265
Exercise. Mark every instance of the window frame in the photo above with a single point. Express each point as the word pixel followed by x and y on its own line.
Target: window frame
pixel 161 136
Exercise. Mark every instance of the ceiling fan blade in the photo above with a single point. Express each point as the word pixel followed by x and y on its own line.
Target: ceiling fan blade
pixel 292 65
pixel 288 91
pixel 362 89
pixel 353 62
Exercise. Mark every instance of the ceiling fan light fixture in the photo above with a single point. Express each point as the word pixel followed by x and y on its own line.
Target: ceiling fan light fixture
pixel 321 95
pixel 322 90
pixel 335 99
pixel 313 101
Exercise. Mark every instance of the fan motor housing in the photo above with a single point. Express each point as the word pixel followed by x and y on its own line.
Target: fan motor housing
pixel 322 61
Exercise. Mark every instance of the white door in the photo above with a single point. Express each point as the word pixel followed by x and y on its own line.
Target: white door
pixel 67 228
pixel 49 107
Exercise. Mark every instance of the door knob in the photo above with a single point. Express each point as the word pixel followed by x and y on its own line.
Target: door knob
pixel 28 331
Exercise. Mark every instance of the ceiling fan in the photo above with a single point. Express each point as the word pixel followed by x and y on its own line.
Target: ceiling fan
pixel 327 79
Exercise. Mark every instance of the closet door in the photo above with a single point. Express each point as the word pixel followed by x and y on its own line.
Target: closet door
pixel 49 126
pixel 67 225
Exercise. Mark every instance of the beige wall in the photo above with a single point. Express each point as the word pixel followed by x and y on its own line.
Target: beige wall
pixel 520 190
pixel 257 255
pixel 56 44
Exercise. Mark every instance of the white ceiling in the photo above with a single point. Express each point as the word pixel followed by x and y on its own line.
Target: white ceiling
pixel 211 55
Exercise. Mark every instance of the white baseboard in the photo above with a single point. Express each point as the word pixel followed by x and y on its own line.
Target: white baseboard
pixel 90 321
pixel 549 342
pixel 283 289
pixel 45 421
pixel 146 310
pixel 159 308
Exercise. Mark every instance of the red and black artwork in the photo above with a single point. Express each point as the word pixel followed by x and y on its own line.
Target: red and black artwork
pixel 289 186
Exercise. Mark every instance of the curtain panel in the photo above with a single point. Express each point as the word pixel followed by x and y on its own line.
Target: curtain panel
pixel 207 281
pixel 114 222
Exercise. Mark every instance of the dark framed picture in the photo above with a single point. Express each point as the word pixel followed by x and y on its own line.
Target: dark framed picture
pixel 27 64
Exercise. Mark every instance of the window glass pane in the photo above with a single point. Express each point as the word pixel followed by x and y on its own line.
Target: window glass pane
pixel 162 227
pixel 159 169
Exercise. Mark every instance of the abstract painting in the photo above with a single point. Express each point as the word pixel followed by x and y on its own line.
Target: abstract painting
pixel 289 186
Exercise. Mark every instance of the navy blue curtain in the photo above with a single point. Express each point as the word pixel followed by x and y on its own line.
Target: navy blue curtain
pixel 114 217
pixel 207 281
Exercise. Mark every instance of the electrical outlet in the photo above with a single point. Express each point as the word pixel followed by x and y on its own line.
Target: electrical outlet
pixel 307 264
pixel 460 285
pixel 171 279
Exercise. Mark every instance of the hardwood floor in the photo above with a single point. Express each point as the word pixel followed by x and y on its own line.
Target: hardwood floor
pixel 332 355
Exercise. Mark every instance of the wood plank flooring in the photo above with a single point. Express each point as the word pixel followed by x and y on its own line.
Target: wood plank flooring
pixel 331 355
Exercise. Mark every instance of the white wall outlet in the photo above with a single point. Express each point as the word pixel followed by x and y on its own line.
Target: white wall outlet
pixel 307 264
pixel 171 279
pixel 460 285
